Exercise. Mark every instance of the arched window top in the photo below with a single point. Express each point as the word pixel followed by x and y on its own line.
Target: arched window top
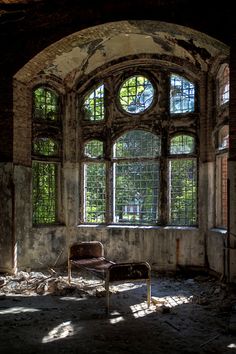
pixel 93 149
pixel 136 94
pixel 45 147
pixel 223 138
pixel 45 104
pixel 137 143
pixel 182 94
pixel 223 82
pixel 94 104
pixel 182 144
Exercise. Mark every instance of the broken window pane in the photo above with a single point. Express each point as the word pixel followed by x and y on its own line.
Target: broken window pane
pixel 136 192
pixel 183 192
pixel 137 143
pixel 94 104
pixel 94 149
pixel 94 188
pixel 182 94
pixel 182 144
pixel 45 104
pixel 136 94
pixel 44 186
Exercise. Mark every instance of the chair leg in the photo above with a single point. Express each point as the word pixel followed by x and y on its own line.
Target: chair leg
pixel 149 292
pixel 107 296
pixel 69 272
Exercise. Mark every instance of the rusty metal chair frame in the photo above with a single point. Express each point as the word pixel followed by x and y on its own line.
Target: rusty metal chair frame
pixel 90 257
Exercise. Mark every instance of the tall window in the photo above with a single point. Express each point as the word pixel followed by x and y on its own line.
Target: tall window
pixel 223 84
pixel 136 177
pixel 94 183
pixel 131 172
pixel 221 176
pixel 46 157
pixel 183 181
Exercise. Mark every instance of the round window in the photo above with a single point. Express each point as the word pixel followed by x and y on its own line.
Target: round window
pixel 136 94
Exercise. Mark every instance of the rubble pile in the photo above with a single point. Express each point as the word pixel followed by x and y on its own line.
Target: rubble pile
pixel 38 283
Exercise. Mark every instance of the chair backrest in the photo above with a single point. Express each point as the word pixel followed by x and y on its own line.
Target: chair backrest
pixel 90 249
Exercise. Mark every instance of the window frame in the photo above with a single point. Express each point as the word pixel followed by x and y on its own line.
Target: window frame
pixel 116 122
pixel 48 129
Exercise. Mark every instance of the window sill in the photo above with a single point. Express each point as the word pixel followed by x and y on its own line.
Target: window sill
pixel 218 230
pixel 145 227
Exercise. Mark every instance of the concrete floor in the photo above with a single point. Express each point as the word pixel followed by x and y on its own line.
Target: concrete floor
pixel 188 314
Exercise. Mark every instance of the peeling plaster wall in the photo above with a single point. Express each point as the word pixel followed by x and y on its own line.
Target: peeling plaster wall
pixel 216 243
pixel 6 213
pixel 84 51
pixel 65 63
pixel 164 248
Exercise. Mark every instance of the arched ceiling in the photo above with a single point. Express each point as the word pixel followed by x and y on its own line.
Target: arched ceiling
pixel 87 50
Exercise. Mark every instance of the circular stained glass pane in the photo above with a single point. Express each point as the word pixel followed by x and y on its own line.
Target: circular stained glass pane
pixel 136 94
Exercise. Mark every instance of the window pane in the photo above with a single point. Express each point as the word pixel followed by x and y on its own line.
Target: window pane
pixel 136 94
pixel 136 192
pixel 46 104
pixel 183 192
pixel 94 104
pixel 182 144
pixel 94 148
pixel 45 147
pixel 182 94
pixel 223 138
pixel 137 143
pixel 44 192
pixel 95 182
pixel 221 190
pixel 224 84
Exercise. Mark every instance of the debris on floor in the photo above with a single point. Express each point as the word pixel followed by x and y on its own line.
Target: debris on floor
pixel 196 312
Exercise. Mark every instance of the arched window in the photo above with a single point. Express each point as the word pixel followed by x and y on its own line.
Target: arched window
pixel 45 104
pixel 94 104
pixel 183 181
pixel 131 172
pixel 182 95
pixel 222 176
pixel 46 158
pixel 223 84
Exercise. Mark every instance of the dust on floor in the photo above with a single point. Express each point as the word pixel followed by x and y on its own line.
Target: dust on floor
pixel 41 313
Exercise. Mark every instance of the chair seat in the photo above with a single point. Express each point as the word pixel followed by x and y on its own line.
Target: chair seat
pixel 98 266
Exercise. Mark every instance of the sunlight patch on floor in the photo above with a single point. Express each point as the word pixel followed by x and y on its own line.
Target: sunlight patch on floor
pixel 141 310
pixel 14 310
pixel 65 329
pixel 231 346
pixel 171 301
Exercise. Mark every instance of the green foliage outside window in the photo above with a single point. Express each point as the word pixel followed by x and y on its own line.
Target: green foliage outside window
pixel 94 149
pixel 45 147
pixel 183 191
pixel 182 144
pixel 44 192
pixel 137 143
pixel 45 104
pixel 94 104
pixel 95 198
pixel 136 94
pixel 136 192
